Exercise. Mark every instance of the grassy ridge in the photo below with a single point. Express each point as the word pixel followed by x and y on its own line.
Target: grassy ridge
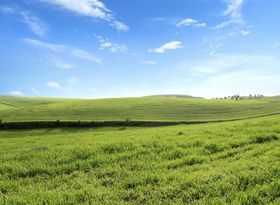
pixel 218 163
pixel 146 108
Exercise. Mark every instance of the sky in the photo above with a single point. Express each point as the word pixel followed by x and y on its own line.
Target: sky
pixel 129 48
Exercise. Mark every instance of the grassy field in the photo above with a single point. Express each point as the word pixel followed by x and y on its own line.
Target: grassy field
pixel 217 163
pixel 145 108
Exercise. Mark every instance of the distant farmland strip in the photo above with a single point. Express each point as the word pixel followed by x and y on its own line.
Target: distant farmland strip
pixel 151 109
pixel 9 104
pixel 88 124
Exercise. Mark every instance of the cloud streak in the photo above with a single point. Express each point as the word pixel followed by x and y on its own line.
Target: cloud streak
pixel 63 49
pixel 167 46
pixel 190 22
pixel 16 93
pixel 233 12
pixel 7 9
pixel 106 44
pixel 244 33
pixel 34 23
pixel 53 85
pixel 90 8
pixel 62 65
pixel 149 62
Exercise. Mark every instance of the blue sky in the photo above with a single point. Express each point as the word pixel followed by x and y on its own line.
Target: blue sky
pixel 119 48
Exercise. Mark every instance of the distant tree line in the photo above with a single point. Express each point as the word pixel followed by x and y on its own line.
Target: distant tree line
pixel 89 124
pixel 238 97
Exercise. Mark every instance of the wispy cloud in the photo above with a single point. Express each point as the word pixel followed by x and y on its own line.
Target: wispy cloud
pixel 119 26
pixel 190 22
pixel 54 85
pixel 16 93
pixel 34 23
pixel 43 45
pixel 180 22
pixel 167 46
pixel 233 12
pixel 244 33
pixel 169 20
pixel 64 49
pixel 84 55
pixel 227 63
pixel 260 80
pixel 244 74
pixel 7 9
pixel 91 8
pixel 229 74
pixel 213 53
pixel 149 62
pixel 62 65
pixel 109 45
pixel 214 48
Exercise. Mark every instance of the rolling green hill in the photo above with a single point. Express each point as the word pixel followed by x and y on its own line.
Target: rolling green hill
pixel 144 108
pixel 5 107
pixel 216 163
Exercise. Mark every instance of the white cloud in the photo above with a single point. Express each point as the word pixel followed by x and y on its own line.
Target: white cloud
pixel 190 22
pixel 225 63
pixel 53 85
pixel 48 46
pixel 119 26
pixel 91 8
pixel 16 93
pixel 245 82
pixel 168 46
pixel 233 8
pixel 229 74
pixel 34 23
pixel 244 33
pixel 214 49
pixel 62 65
pixel 111 46
pixel 233 12
pixel 82 54
pixel 149 62
pixel 213 53
pixel 64 49
pixel 7 9
pixel 73 80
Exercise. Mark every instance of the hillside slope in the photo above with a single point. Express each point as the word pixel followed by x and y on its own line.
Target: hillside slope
pixel 144 108
pixel 217 163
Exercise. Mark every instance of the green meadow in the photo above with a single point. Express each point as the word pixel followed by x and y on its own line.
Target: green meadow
pixel 144 108
pixel 215 163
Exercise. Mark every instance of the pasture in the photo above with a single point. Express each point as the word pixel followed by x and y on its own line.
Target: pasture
pixel 216 163
pixel 17 109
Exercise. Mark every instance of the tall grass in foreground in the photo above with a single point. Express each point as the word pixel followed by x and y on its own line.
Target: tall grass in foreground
pixel 219 163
